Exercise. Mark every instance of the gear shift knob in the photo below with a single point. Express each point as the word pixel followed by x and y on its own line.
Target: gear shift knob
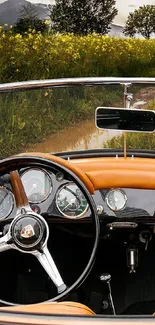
pixel 106 278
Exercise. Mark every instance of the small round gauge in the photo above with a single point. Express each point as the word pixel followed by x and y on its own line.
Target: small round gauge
pixel 116 199
pixel 71 202
pixel 37 184
pixel 6 202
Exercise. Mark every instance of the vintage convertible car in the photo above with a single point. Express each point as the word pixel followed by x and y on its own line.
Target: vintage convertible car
pixel 77 225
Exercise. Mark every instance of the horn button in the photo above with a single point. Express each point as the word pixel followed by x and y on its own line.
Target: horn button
pixel 28 232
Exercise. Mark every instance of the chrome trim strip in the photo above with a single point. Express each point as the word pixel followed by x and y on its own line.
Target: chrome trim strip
pixel 34 84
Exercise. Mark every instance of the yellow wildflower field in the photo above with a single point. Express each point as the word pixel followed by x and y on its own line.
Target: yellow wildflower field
pixel 40 56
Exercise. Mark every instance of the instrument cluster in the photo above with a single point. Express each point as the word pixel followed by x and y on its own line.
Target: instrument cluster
pixel 69 200
pixel 54 196
pixel 48 193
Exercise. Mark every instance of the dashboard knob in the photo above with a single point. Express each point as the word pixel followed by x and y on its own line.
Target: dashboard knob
pixel 99 209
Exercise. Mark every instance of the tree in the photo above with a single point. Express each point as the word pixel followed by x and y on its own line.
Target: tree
pixel 141 21
pixel 83 17
pixel 29 20
pixel 24 24
pixel 28 11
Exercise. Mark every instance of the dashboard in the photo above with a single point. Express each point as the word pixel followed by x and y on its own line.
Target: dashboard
pixel 57 198
pixel 48 193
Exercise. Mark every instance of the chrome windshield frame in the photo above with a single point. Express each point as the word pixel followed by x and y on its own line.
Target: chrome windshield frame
pixel 69 82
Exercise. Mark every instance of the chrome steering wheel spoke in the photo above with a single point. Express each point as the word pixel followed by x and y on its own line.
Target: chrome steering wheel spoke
pixel 29 230
pixel 51 269
pixel 4 245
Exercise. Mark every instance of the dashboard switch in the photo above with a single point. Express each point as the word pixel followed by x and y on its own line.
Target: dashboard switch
pixel 99 209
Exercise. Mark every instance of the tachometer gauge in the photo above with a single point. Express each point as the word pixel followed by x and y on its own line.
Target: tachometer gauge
pixel 71 202
pixel 116 199
pixel 6 202
pixel 37 184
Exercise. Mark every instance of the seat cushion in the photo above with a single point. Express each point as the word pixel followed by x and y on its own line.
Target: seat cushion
pixel 64 308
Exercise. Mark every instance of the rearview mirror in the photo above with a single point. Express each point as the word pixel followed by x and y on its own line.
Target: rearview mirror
pixel 125 119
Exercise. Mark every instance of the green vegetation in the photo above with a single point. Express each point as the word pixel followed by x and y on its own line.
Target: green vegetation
pixel 141 21
pixel 39 56
pixel 24 24
pixel 28 19
pixel 83 17
pixel 134 141
pixel 28 117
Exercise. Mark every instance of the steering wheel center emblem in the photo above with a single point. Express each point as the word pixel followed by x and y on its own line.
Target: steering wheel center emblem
pixel 27 232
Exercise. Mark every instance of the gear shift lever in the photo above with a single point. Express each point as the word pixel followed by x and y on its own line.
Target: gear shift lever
pixel 106 278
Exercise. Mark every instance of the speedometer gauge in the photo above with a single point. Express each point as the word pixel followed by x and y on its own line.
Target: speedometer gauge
pixel 116 199
pixel 71 202
pixel 37 184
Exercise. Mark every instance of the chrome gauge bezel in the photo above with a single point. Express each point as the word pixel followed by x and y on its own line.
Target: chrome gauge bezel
pixel 13 202
pixel 80 216
pixel 108 203
pixel 50 180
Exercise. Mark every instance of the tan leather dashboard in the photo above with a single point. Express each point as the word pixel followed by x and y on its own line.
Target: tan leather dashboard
pixel 99 173
pixel 119 172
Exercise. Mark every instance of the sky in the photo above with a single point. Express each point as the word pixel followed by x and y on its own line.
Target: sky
pixel 124 7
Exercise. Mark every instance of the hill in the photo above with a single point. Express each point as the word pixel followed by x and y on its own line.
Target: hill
pixel 9 11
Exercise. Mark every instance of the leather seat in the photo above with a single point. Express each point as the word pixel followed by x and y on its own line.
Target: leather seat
pixel 64 308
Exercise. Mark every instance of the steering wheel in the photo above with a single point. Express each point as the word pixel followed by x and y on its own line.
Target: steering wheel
pixel 29 231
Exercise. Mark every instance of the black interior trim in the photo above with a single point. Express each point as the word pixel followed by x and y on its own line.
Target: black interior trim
pixel 96 153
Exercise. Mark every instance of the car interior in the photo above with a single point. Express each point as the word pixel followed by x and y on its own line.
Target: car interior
pixel 78 228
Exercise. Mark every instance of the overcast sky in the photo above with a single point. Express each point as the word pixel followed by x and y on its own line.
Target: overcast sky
pixel 124 7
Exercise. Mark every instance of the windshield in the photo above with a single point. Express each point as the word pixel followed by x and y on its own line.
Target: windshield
pixel 60 119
